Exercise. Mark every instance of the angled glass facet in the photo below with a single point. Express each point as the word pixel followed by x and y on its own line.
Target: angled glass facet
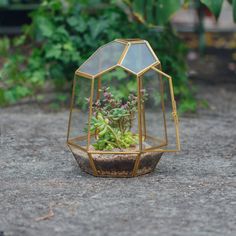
pixel 138 57
pixel 153 116
pixel 79 112
pixel 160 130
pixel 104 58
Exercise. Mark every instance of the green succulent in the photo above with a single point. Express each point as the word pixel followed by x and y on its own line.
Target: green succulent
pixel 109 137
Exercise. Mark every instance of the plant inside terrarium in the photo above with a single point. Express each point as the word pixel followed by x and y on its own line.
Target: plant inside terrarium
pixel 113 119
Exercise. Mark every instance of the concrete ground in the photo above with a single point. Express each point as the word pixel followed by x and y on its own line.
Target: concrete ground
pixel 43 191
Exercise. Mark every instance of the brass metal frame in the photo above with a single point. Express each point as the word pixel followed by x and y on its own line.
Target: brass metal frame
pixel 128 43
pixel 90 113
pixel 174 109
pixel 143 113
pixel 139 114
pixel 123 54
pixel 126 69
pixel 163 105
pixel 142 133
pixel 137 161
pixel 85 75
pixel 148 68
pixel 71 108
pixel 162 142
pixel 153 53
pixel 120 41
pixel 129 40
pixel 104 71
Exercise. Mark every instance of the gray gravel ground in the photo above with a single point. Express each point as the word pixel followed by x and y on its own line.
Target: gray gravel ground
pixel 191 193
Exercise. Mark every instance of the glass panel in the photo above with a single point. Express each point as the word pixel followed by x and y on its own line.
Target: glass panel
pixel 153 117
pixel 170 121
pixel 104 58
pixel 158 101
pixel 80 111
pixel 138 57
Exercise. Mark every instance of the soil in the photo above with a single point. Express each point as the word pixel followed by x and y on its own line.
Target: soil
pixel 117 165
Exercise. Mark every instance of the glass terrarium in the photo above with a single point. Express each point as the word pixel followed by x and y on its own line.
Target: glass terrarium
pixel 123 113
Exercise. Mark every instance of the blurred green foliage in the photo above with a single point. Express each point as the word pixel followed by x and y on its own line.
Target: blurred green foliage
pixel 158 12
pixel 5 3
pixel 65 33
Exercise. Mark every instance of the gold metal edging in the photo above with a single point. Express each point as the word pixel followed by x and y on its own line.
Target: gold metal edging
pixel 92 164
pixel 120 41
pixel 143 71
pixel 136 165
pixel 123 54
pixel 161 150
pixel 138 42
pixel 83 74
pixel 155 147
pixel 79 138
pixel 128 70
pixel 129 40
pixel 163 106
pixel 161 72
pixel 90 112
pixel 71 107
pixel 139 114
pixel 153 53
pixel 105 71
pixel 143 112
pixel 174 113
pixel 112 152
pixel 89 132
pixel 77 146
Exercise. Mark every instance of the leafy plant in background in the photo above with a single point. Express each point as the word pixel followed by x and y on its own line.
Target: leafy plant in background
pixel 65 33
pixel 159 12
pixel 112 121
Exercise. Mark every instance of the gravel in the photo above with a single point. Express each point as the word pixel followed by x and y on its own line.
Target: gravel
pixel 190 193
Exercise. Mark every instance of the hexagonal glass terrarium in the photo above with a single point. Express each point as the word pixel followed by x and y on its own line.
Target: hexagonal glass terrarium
pixel 123 112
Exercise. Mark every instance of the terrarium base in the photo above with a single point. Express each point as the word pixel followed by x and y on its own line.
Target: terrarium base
pixel 116 165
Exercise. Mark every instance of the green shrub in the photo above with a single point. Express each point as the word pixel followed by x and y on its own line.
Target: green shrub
pixel 65 33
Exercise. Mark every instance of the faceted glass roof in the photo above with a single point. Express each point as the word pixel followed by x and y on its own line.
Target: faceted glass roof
pixel 138 57
pixel 133 55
